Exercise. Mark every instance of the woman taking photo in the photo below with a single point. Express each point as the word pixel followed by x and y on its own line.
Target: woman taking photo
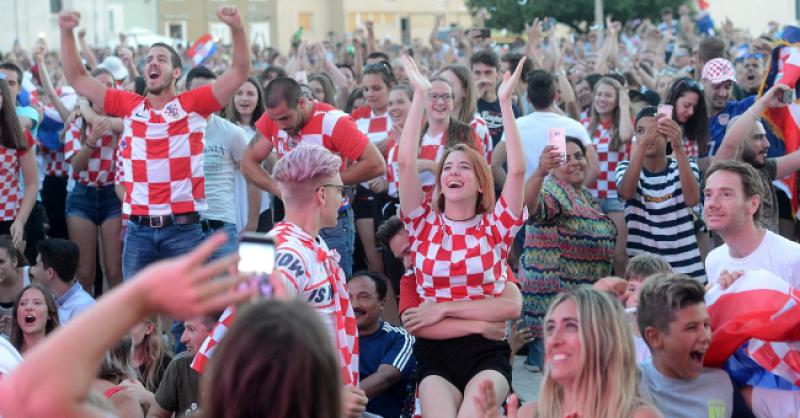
pixel 15 143
pixel 569 241
pixel 90 144
pixel 611 128
pixel 459 243
pixel 375 122
pixel 35 316
pixel 587 373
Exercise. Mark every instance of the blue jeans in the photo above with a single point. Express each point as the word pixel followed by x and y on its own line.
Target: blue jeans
pixel 536 353
pixel 342 238
pixel 145 245
pixel 96 204
pixel 231 246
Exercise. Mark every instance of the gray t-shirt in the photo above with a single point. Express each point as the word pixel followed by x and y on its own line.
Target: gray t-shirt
pixel 710 395
pixel 225 146
pixel 769 206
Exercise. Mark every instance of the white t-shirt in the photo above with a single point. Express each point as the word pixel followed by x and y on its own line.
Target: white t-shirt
pixel 533 133
pixel 775 254
pixel 9 357
pixel 225 146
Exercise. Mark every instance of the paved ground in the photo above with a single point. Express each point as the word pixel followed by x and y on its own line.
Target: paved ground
pixel 525 382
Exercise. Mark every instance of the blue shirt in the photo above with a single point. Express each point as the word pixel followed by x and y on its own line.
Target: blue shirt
pixel 32 114
pixel 73 302
pixel 719 124
pixel 393 346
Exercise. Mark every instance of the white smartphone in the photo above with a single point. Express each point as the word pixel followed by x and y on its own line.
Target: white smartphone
pixel 257 258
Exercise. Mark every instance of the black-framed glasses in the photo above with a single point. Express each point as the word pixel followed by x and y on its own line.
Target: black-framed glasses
pixel 433 97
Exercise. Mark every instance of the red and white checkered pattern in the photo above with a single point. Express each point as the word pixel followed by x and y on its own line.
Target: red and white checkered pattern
pixel 54 162
pixel 328 127
pixel 10 190
pixel 719 70
pixel 392 172
pixel 311 270
pixel 101 168
pixel 606 185
pixel 211 342
pixel 482 131
pixel 377 128
pixel 457 261
pixel 163 161
pixel 690 148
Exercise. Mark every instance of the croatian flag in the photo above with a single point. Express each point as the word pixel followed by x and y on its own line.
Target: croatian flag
pixel 784 68
pixel 204 47
pixel 206 351
pixel 764 309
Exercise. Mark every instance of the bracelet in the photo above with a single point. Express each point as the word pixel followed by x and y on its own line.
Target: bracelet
pixel 90 146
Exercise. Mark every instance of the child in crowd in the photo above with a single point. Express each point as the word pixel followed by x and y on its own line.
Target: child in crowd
pixel 638 269
pixel 674 323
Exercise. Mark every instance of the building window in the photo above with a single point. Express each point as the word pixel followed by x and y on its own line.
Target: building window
pixel 305 20
pixel 56 6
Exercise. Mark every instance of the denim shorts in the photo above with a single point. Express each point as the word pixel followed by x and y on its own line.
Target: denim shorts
pixel 612 204
pixel 97 204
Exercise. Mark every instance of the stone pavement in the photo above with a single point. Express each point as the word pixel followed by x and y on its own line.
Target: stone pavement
pixel 525 382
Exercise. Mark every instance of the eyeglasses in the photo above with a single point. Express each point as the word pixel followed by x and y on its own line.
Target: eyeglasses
pixel 578 156
pixel 433 97
pixel 341 188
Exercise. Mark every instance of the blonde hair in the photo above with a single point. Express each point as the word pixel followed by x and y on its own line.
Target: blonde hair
pixel 616 141
pixel 486 199
pixel 607 380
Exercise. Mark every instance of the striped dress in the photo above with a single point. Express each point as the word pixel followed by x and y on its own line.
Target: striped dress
pixel 569 242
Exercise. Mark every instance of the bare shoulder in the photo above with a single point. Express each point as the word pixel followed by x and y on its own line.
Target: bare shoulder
pixel 646 411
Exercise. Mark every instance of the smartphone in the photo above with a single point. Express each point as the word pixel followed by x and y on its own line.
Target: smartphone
pixel 482 32
pixel 787 96
pixel 558 138
pixel 257 258
pixel 301 77
pixel 665 109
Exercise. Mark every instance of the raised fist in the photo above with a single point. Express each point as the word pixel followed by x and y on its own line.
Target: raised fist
pixel 82 33
pixel 230 16
pixel 69 19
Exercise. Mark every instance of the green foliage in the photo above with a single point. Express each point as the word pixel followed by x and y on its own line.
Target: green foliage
pixel 513 14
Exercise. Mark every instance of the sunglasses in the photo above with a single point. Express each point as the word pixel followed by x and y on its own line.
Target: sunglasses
pixel 748 56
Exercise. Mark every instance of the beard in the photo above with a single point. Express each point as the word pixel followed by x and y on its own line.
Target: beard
pixel 749 157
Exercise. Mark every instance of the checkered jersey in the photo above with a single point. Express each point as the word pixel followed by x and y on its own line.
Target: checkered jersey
pixel 481 129
pixel 54 162
pixel 461 260
pixel 605 187
pixel 690 148
pixel 10 190
pixel 392 173
pixel 163 160
pixel 101 168
pixel 312 271
pixel 377 128
pixel 328 127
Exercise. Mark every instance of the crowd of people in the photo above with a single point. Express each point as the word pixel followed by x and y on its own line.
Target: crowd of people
pixel 437 209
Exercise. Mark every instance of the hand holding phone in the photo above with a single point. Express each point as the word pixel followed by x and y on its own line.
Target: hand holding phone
pixel 787 96
pixel 557 138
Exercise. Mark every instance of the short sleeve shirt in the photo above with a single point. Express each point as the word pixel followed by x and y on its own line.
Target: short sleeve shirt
pixel 101 167
pixel 312 272
pixel 376 128
pixel 456 261
pixel 327 127
pixel 605 187
pixel 163 157
pixel 179 388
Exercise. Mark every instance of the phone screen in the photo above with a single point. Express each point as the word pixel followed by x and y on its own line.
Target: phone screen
pixel 665 110
pixel 257 258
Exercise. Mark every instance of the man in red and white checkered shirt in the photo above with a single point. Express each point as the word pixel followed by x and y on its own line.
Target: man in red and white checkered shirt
pixel 291 119
pixel 163 160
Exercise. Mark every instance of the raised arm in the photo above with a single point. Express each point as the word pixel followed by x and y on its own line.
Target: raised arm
pixel 74 71
pixel 410 186
pixel 498 159
pixel 47 85
pixel 515 157
pixel 689 183
pixel 230 81
pixel 630 180
pixel 548 159
pixel 91 59
pixel 46 386
pixel 740 129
